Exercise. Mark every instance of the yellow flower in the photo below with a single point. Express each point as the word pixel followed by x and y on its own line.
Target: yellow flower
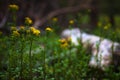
pixel 16 33
pixel 35 31
pixel 22 28
pixel 55 19
pixel 106 27
pixel 71 22
pixel 13 7
pixel 49 29
pixel 13 28
pixel 64 43
pixel 32 28
pixel 28 20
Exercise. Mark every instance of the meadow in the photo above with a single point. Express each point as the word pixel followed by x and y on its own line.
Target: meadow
pixel 28 53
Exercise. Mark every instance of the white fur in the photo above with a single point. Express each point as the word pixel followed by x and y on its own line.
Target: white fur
pixel 102 49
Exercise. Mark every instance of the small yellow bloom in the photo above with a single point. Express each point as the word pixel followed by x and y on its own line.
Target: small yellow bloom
pixel 35 31
pixel 106 27
pixel 64 43
pixel 13 28
pixel 49 29
pixel 13 7
pixel 22 28
pixel 71 22
pixel 28 20
pixel 55 19
pixel 16 33
pixel 32 28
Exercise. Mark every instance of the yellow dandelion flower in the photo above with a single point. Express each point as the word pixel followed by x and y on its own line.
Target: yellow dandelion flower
pixel 71 22
pixel 55 19
pixel 13 7
pixel 13 28
pixel 28 20
pixel 16 33
pixel 49 29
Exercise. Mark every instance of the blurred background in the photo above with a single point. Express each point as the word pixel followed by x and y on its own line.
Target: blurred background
pixel 86 14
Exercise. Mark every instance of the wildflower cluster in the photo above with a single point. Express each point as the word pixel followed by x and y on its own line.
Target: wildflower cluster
pixel 13 28
pixel 13 7
pixel 23 30
pixel 34 31
pixel 49 29
pixel 28 21
pixel 16 33
pixel 63 43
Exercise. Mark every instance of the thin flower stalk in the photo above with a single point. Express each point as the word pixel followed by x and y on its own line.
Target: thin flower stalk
pixel 30 60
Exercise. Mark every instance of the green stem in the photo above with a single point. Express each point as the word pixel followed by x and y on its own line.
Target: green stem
pixel 45 57
pixel 44 65
pixel 9 71
pixel 30 60
pixel 21 64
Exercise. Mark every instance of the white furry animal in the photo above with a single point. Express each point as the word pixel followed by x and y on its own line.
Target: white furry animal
pixel 102 49
pixel 74 34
